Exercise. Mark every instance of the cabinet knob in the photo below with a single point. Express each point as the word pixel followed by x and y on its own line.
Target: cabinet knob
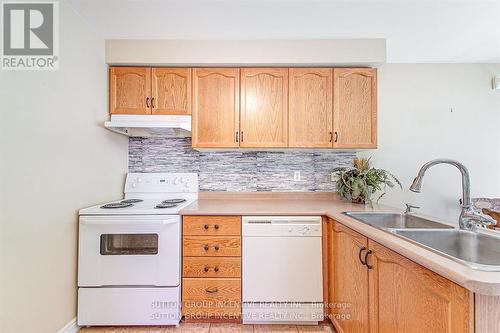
pixel 205 269
pixel 216 247
pixel 205 226
pixel 216 269
pixel 206 248
pixel 336 136
pixel 216 227
pixel 147 102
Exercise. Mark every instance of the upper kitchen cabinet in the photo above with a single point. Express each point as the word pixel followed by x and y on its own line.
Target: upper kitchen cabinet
pixel 264 107
pixel 216 100
pixel 171 91
pixel 355 107
pixel 310 107
pixel 129 90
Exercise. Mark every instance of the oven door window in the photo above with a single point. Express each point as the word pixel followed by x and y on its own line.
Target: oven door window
pixel 129 244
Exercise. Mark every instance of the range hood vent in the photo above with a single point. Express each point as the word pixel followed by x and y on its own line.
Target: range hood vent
pixel 150 125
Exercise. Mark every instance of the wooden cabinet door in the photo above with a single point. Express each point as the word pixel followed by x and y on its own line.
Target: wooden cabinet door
pixel 406 297
pixel 355 107
pixel 171 91
pixel 348 281
pixel 129 90
pixel 264 107
pixel 216 100
pixel 310 107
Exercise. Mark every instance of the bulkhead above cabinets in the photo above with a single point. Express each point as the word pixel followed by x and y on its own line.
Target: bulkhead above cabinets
pixel 256 107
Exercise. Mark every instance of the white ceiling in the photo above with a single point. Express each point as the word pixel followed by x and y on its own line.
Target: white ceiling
pixel 416 31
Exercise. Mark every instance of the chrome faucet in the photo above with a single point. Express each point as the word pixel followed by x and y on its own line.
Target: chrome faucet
pixel 470 218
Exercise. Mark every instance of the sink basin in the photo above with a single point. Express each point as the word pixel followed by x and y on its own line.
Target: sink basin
pixel 385 220
pixel 475 249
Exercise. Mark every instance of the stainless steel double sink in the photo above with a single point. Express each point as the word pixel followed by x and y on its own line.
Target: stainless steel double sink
pixel 477 250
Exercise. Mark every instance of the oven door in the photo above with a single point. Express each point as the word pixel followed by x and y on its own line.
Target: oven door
pixel 129 251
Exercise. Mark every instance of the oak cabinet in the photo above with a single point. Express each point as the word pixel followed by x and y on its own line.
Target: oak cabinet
pixel 348 280
pixel 145 90
pixel 310 107
pixel 373 289
pixel 264 107
pixel 355 107
pixel 129 90
pixel 211 279
pixel 256 107
pixel 407 297
pixel 171 91
pixel 216 101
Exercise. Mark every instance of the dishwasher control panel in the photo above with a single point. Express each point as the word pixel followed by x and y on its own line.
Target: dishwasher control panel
pixel 296 226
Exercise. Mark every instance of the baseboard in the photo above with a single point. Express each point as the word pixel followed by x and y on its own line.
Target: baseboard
pixel 70 327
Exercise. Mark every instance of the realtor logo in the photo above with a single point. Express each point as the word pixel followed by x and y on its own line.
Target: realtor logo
pixel 30 35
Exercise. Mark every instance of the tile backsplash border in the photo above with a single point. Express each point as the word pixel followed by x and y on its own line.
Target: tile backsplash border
pixel 239 170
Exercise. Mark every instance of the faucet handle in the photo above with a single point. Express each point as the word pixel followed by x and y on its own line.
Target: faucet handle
pixel 409 207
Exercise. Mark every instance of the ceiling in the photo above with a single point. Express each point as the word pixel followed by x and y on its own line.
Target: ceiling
pixel 421 31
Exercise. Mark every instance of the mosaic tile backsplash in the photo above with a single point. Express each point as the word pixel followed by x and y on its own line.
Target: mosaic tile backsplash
pixel 238 170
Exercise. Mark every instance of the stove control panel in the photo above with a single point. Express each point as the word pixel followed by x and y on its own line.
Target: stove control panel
pixel 161 182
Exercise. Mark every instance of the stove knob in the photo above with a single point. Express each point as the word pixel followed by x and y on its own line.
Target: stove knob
pixel 134 185
pixel 183 180
pixel 176 181
pixel 139 180
pixel 305 230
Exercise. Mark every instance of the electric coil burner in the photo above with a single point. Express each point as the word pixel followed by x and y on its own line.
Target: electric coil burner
pixel 116 205
pixel 132 201
pixel 165 205
pixel 173 201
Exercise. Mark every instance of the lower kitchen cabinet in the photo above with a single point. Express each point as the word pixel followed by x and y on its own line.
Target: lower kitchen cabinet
pixel 406 297
pixel 348 280
pixel 211 268
pixel 374 289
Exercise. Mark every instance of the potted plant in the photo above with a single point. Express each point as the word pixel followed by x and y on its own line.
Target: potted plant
pixel 359 182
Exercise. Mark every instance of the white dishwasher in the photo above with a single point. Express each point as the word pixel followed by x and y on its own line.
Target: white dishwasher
pixel 282 269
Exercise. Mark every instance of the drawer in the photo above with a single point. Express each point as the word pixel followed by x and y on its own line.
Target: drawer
pixel 211 225
pixel 211 267
pixel 211 246
pixel 211 298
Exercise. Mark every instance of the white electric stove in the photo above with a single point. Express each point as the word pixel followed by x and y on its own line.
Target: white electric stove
pixel 129 257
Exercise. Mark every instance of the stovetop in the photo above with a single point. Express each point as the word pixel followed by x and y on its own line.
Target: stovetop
pixel 145 207
pixel 151 194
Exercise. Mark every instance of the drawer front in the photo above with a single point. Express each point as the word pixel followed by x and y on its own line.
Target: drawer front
pixel 211 225
pixel 211 289
pixel 211 298
pixel 211 246
pixel 211 267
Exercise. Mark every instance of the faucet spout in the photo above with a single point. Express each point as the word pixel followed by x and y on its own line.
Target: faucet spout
pixel 416 186
pixel 470 218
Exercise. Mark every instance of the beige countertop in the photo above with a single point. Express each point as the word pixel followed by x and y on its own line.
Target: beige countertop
pixel 327 204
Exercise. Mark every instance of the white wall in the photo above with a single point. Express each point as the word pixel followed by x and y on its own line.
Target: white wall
pixel 55 157
pixel 416 124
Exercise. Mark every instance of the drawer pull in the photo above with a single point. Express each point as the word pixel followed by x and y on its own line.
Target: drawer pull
pixel 216 227
pixel 216 247
pixel 206 269
pixel 211 290
pixel 206 247
pixel 216 269
pixel 205 226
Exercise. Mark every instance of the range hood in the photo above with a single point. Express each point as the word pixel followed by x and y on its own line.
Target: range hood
pixel 150 125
